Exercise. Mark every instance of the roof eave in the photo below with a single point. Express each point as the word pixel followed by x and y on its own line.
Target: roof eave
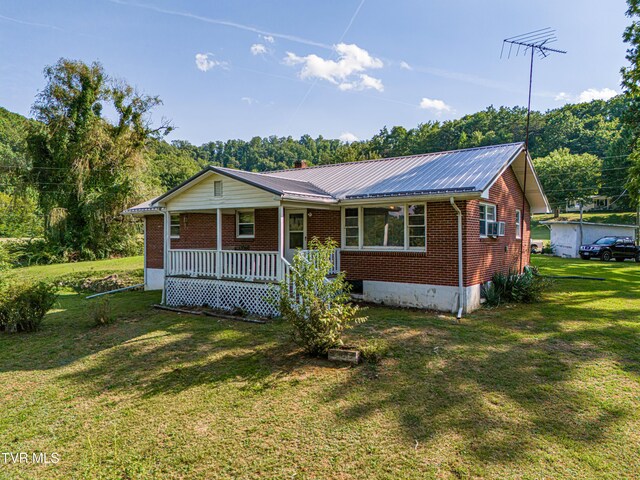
pixel 418 196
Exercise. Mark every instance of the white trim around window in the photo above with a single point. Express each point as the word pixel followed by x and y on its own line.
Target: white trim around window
pixel 518 224
pixel 487 213
pixel 245 223
pixel 413 229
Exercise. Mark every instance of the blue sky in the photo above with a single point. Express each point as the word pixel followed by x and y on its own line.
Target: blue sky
pixel 236 69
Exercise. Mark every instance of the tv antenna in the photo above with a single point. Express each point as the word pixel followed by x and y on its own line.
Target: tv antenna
pixel 531 43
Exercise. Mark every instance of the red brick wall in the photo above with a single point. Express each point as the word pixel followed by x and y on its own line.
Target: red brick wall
pixel 154 247
pixel 437 266
pixel 323 224
pixel 485 256
pixel 197 230
pixel 266 232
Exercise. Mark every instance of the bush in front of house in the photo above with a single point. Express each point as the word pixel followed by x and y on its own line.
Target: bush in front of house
pixel 318 309
pixel 527 287
pixel 24 305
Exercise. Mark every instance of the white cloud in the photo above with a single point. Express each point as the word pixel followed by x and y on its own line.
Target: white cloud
pixel 405 66
pixel 594 94
pixel 205 62
pixel 587 95
pixel 347 73
pixel 361 82
pixel 249 100
pixel 437 106
pixel 268 38
pixel 258 49
pixel 348 137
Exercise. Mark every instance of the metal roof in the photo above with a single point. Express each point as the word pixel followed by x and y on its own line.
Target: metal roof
pixel 468 171
pixel 275 183
pixel 458 171
pixel 144 207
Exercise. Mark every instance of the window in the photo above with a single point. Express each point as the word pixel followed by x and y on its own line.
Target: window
pixel 351 228
pixel 245 224
pixel 175 226
pixel 400 227
pixel 487 214
pixel 217 188
pixel 383 226
pixel 417 226
pixel 518 224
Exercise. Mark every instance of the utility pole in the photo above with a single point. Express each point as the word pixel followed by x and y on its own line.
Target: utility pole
pixel 532 43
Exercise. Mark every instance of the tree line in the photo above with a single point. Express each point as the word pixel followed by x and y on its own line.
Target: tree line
pixel 579 149
pixel 67 173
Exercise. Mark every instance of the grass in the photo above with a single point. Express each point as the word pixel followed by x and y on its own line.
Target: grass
pixel 95 268
pixel 527 391
pixel 541 232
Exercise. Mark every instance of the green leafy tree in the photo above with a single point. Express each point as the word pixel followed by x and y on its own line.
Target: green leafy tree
pixel 320 310
pixel 87 168
pixel 631 85
pixel 569 177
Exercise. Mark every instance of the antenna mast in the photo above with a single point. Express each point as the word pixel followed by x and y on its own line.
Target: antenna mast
pixel 529 43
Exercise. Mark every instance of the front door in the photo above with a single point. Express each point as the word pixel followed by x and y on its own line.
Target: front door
pixel 295 232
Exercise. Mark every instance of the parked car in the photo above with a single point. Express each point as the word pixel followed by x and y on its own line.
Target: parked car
pixel 606 248
pixel 537 246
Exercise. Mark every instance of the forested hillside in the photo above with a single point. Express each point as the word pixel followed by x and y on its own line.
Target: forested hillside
pixel 593 128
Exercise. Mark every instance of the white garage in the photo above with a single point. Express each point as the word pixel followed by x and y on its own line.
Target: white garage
pixel 565 235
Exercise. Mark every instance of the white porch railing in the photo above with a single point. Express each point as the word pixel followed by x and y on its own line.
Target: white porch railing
pixel 249 265
pixel 310 255
pixel 236 264
pixel 232 264
pixel 192 263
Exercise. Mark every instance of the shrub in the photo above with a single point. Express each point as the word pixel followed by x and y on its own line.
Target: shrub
pixel 5 258
pixel 527 287
pixel 100 312
pixel 35 251
pixel 320 310
pixel 374 350
pixel 24 305
pixel 547 248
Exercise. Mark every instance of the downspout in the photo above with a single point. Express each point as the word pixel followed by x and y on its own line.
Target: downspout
pixel 460 269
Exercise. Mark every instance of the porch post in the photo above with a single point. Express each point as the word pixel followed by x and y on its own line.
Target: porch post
pixel 166 247
pixel 218 243
pixel 280 242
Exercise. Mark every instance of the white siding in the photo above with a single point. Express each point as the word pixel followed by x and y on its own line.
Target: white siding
pixel 236 194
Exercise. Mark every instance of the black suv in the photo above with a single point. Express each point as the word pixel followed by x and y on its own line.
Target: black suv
pixel 606 248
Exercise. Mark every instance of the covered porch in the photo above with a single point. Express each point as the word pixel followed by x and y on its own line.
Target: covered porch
pixel 232 259
pixel 250 245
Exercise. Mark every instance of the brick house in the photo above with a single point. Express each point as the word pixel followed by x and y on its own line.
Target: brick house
pixel 423 231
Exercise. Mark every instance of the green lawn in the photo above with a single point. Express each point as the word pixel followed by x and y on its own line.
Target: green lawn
pixel 535 391
pixel 95 268
pixel 541 232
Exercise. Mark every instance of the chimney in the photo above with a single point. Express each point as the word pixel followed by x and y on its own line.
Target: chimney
pixel 300 164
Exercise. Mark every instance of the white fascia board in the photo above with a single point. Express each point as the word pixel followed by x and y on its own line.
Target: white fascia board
pixel 441 197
